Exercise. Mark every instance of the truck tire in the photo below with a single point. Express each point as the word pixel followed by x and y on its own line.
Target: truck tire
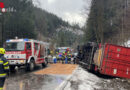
pixel 30 66
pixel 12 68
pixel 44 64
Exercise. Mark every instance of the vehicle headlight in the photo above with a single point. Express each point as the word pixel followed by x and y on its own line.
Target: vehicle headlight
pixel 21 61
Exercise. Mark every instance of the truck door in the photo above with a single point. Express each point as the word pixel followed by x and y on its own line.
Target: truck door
pixel 28 49
pixel 37 53
pixel 36 49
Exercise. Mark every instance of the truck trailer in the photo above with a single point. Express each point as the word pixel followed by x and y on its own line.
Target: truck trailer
pixel 107 59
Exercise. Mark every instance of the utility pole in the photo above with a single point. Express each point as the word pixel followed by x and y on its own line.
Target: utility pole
pixel 124 20
pixel 3 10
pixel 1 30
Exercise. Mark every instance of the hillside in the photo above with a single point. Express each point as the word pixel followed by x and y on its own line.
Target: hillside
pixel 32 22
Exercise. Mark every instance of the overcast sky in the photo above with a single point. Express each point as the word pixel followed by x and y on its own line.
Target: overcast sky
pixel 69 10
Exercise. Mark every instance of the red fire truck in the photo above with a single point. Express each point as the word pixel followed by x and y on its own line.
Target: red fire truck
pixel 26 52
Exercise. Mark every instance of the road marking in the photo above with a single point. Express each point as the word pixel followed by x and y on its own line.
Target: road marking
pixel 21 85
pixel 65 82
pixel 4 87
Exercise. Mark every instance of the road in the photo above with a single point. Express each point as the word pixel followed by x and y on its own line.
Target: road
pixel 42 79
pixel 22 80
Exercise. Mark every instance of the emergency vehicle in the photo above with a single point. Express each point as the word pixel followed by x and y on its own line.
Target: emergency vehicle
pixel 60 50
pixel 26 52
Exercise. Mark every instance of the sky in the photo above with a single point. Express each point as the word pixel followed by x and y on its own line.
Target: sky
pixel 69 10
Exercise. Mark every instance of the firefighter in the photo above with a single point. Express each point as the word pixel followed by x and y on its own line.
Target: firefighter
pixel 51 52
pixel 69 57
pixel 74 59
pixel 63 57
pixel 60 57
pixel 57 57
pixel 4 68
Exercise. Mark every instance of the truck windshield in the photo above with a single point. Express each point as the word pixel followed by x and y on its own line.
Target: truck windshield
pixel 14 46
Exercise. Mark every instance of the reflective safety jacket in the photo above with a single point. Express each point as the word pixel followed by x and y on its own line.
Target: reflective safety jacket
pixel 69 56
pixel 63 56
pixel 4 67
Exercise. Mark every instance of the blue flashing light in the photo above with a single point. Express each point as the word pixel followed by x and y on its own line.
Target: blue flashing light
pixel 17 56
pixel 7 40
pixel 60 55
pixel 26 39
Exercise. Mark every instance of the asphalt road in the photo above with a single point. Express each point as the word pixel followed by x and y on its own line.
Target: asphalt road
pixel 22 80
pixel 80 80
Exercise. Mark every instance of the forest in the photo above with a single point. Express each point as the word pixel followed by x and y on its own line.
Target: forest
pixel 108 22
pixel 29 21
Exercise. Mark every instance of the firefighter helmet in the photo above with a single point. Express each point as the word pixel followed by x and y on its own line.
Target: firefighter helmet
pixel 2 51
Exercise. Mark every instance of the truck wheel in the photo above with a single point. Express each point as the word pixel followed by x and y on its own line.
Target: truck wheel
pixel 12 68
pixel 44 64
pixel 30 66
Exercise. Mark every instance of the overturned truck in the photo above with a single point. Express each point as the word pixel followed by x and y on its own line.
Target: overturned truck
pixel 107 59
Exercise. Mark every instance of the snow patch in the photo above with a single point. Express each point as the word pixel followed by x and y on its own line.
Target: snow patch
pixel 127 44
pixel 82 80
pixel 76 31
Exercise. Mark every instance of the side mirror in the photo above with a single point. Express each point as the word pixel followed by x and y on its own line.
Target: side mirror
pixel 48 51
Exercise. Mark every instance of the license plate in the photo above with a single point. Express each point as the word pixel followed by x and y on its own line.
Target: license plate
pixel 11 62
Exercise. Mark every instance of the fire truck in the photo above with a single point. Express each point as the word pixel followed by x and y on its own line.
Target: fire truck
pixel 26 52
